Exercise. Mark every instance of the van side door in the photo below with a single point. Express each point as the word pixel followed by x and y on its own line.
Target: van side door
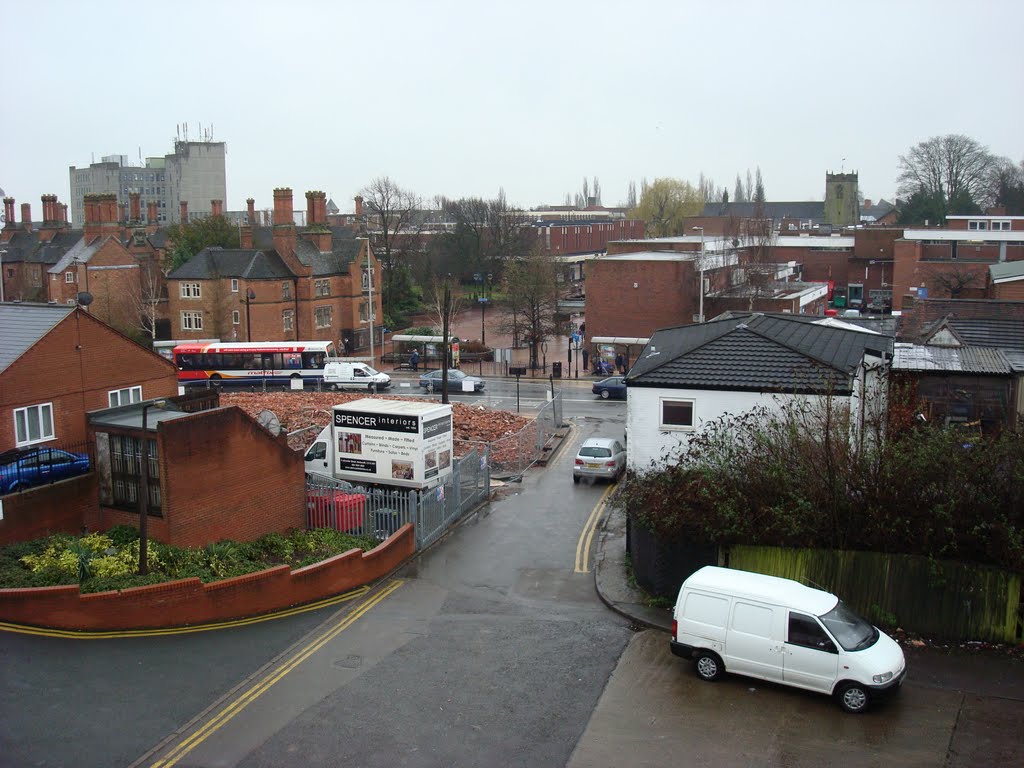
pixel 811 658
pixel 753 645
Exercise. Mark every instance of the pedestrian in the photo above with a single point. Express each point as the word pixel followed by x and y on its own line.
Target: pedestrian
pixel 586 357
pixel 348 346
pixel 620 363
pixel 414 359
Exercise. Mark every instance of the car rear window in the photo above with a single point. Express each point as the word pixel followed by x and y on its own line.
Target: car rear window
pixel 595 452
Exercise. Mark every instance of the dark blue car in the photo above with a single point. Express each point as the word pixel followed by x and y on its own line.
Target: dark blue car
pixel 22 468
pixel 613 386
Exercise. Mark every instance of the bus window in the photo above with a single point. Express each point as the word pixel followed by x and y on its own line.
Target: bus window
pixel 313 359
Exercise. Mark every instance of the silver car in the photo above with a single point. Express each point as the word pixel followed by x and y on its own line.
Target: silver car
pixel 599 457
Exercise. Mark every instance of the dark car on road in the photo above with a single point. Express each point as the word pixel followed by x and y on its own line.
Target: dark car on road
pixel 612 387
pixel 431 381
pixel 22 468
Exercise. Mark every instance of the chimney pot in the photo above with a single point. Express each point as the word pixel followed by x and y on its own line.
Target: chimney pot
pixel 250 205
pixel 283 215
pixel 359 205
pixel 8 212
pixel 26 216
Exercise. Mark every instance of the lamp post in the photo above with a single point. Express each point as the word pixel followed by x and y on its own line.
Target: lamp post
pixel 369 290
pixel 483 296
pixel 144 489
pixel 250 294
pixel 700 311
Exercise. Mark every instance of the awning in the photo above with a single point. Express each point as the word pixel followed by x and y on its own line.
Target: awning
pixel 629 341
pixel 422 339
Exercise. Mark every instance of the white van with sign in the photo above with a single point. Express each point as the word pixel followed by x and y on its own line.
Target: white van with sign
pixel 776 629
pixel 342 375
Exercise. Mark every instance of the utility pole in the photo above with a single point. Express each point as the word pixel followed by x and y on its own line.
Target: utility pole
pixel 445 320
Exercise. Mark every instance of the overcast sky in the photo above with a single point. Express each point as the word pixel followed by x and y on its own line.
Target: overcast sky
pixel 464 98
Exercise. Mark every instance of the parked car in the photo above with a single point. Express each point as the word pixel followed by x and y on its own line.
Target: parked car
pixel 728 620
pixel 22 468
pixel 613 386
pixel 599 458
pixel 431 381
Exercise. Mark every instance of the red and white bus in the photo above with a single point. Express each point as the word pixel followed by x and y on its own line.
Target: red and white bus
pixel 272 362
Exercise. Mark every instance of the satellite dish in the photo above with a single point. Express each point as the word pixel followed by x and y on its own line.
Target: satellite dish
pixel 84 298
pixel 269 421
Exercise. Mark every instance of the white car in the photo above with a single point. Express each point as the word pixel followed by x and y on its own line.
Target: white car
pixel 599 458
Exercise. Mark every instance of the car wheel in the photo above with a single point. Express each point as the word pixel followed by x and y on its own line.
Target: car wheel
pixel 708 665
pixel 853 698
pixel 215 377
pixel 605 394
pixel 576 479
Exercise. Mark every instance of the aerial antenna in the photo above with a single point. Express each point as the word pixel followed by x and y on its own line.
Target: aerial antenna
pixel 842 165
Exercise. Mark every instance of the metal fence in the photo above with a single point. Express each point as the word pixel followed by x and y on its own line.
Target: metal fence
pixel 379 512
pixel 43 464
pixel 512 455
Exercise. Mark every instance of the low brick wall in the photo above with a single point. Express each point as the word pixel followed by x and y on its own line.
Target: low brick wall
pixel 189 601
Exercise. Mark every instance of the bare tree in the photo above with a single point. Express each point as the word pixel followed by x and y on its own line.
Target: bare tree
pixel 147 296
pixel 394 227
pixel 738 195
pixel 631 199
pixel 954 279
pixel 953 166
pixel 531 286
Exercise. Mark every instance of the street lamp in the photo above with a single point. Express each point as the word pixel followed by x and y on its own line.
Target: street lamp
pixel 250 294
pixel 483 296
pixel 700 311
pixel 144 489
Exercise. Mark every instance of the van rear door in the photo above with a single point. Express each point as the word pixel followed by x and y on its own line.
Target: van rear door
pixel 811 659
pixel 753 645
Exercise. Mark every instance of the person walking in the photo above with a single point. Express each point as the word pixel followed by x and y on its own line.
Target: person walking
pixel 620 363
pixel 414 359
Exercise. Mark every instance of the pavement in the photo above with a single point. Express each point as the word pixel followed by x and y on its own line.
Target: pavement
pixel 981 669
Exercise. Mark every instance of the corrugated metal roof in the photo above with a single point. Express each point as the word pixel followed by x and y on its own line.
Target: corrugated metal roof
pixel 915 357
pixel 25 324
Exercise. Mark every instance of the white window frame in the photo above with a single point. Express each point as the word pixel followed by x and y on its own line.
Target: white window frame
pixel 322 287
pixel 286 291
pixel 126 396
pixel 191 291
pixel 977 225
pixel 672 426
pixel 44 424
pixel 191 321
pixel 69 277
pixel 236 317
pixel 1001 225
pixel 320 314
pixel 288 319
pixel 234 285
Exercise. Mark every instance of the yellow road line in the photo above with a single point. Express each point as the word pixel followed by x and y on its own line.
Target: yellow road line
pixel 587 535
pixel 87 635
pixel 225 715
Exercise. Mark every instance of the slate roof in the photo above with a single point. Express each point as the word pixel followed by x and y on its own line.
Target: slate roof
pixel 1007 271
pixel 25 247
pixel 81 251
pixel 344 248
pixel 804 211
pixel 1004 332
pixel 248 263
pixel 757 352
pixel 976 360
pixel 24 325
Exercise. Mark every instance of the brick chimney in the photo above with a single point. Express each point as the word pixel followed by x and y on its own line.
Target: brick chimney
pixel 135 204
pixel 50 223
pixel 184 211
pixel 284 232
pixel 283 213
pixel 245 232
pixel 26 216
pixel 8 213
pixel 152 214
pixel 316 217
pixel 359 205
pixel 124 213
pixel 100 216
pixel 64 214
pixel 216 207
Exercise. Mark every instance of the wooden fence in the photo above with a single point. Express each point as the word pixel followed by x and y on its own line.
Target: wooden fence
pixel 957 601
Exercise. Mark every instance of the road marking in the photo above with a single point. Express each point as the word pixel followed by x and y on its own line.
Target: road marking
pixel 97 635
pixel 221 719
pixel 587 535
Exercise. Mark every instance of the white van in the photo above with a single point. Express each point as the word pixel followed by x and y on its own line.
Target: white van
pixel 342 375
pixel 779 630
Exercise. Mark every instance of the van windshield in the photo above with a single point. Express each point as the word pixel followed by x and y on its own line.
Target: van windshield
pixel 850 630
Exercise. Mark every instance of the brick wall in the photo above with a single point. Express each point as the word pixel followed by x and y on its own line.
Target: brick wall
pixel 36 513
pixel 189 602
pixel 74 367
pixel 665 295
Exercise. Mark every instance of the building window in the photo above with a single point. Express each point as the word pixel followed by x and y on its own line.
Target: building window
pixel 288 319
pixel 855 294
pixel 125 396
pixel 234 285
pixel 191 291
pixel 1000 226
pixel 366 279
pixel 33 424
pixel 191 321
pixel 677 414
pixel 236 317
pixel 69 277
pixel 322 317
pixel 125 463
pixel 286 290
pixel 322 287
pixel 364 311
pixel 977 225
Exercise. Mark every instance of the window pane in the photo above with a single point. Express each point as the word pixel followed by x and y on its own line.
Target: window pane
pixel 677 413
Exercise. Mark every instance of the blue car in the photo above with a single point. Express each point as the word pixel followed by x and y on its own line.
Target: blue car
pixel 22 468
pixel 457 381
pixel 613 386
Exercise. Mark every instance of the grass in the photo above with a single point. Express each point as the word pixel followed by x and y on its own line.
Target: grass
pixel 109 561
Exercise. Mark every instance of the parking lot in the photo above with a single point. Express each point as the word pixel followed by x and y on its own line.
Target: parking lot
pixel 656 712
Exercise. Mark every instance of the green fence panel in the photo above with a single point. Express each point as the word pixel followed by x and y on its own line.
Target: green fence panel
pixel 958 601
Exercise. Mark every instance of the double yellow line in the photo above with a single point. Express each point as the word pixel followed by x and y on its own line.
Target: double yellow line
pixel 587 536
pixel 238 704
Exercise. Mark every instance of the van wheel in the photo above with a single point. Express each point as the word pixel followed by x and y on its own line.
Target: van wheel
pixel 708 665
pixel 853 698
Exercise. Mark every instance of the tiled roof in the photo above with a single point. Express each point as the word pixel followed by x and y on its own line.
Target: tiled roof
pixel 1003 332
pixel 756 352
pixel 983 360
pixel 251 264
pixel 804 211
pixel 25 324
